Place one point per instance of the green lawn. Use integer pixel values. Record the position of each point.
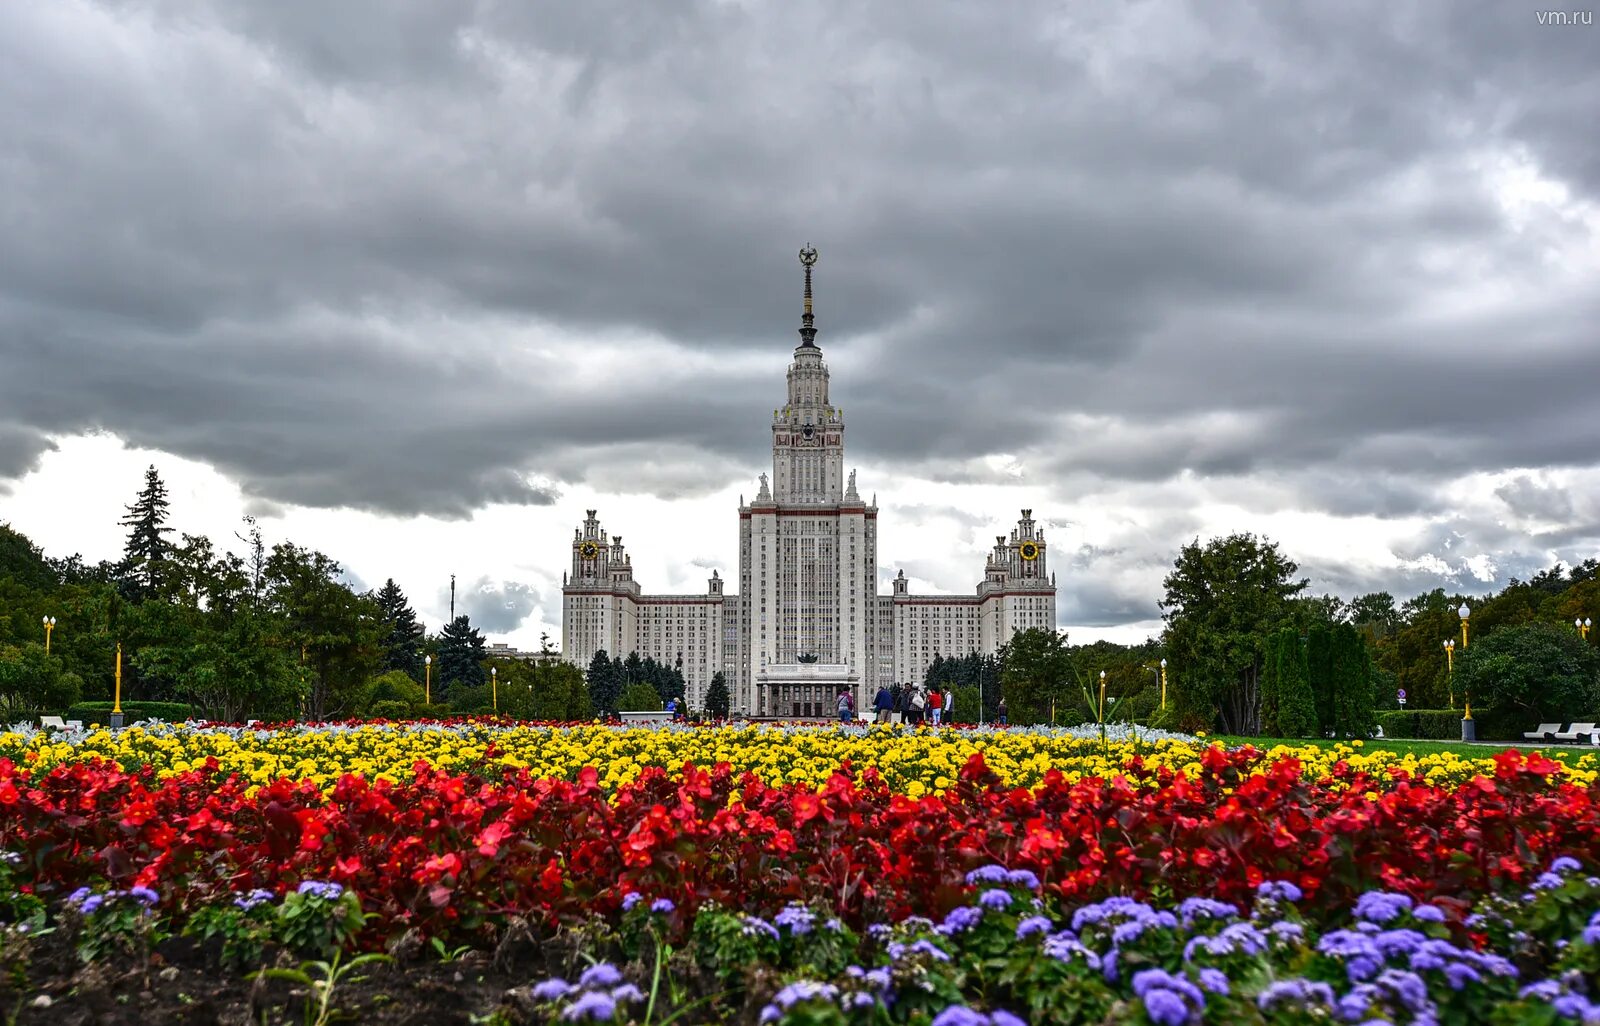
(1407, 747)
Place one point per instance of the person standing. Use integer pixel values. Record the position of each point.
(915, 706)
(1000, 710)
(949, 704)
(844, 706)
(936, 704)
(883, 704)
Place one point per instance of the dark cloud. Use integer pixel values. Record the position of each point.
(496, 607)
(420, 258)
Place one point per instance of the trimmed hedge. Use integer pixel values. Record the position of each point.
(100, 712)
(1422, 724)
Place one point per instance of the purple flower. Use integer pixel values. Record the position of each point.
(631, 899)
(254, 898)
(1547, 882)
(601, 974)
(79, 896)
(1296, 992)
(663, 906)
(985, 874)
(1032, 925)
(1193, 909)
(1460, 975)
(1591, 933)
(144, 896)
(591, 1004)
(1064, 947)
(551, 989)
(1398, 942)
(803, 990)
(1362, 967)
(1279, 890)
(996, 899)
(1159, 979)
(1428, 914)
(1566, 864)
(327, 890)
(1576, 1006)
(1214, 980)
(960, 1015)
(1164, 1008)
(797, 918)
(754, 925)
(1381, 906)
(963, 918)
(1020, 878)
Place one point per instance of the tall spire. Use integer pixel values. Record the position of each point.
(808, 331)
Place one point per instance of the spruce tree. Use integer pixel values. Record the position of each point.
(460, 656)
(401, 645)
(717, 699)
(605, 683)
(145, 553)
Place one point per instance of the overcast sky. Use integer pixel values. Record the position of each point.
(418, 283)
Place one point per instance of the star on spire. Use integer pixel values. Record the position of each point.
(808, 331)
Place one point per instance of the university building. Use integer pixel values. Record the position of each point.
(807, 617)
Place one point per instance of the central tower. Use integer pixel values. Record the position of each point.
(808, 552)
(808, 432)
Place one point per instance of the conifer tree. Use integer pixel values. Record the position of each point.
(605, 683)
(461, 655)
(402, 643)
(145, 553)
(717, 700)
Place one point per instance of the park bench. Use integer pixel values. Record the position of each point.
(645, 717)
(1546, 732)
(52, 723)
(1584, 733)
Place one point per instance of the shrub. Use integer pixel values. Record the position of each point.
(100, 712)
(1527, 674)
(1422, 724)
(639, 698)
(390, 710)
(966, 706)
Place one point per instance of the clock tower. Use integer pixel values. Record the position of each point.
(808, 432)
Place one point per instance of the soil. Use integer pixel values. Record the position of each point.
(180, 985)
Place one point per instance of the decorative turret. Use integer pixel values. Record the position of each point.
(808, 330)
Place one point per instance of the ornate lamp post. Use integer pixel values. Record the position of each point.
(494, 688)
(1163, 684)
(1450, 669)
(1469, 729)
(49, 625)
(116, 703)
(427, 680)
(1583, 626)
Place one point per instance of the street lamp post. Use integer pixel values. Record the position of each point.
(1583, 626)
(116, 703)
(1450, 669)
(1163, 684)
(494, 688)
(1469, 729)
(49, 625)
(427, 680)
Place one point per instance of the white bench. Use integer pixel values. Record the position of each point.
(1545, 732)
(658, 716)
(52, 723)
(1584, 732)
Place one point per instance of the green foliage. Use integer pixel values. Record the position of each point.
(1221, 602)
(459, 660)
(32, 682)
(605, 683)
(396, 687)
(981, 672)
(1037, 675)
(339, 632)
(239, 931)
(145, 553)
(22, 562)
(558, 693)
(402, 640)
(318, 919)
(639, 697)
(1421, 724)
(1352, 685)
(717, 697)
(321, 979)
(100, 712)
(120, 924)
(966, 706)
(1526, 674)
(1287, 706)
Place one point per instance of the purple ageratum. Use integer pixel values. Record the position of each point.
(1576, 1006)
(797, 918)
(325, 889)
(963, 918)
(755, 926)
(1279, 890)
(551, 990)
(991, 874)
(1021, 878)
(1166, 1008)
(1214, 980)
(1591, 933)
(898, 951)
(1428, 914)
(601, 974)
(1295, 992)
(631, 899)
(663, 906)
(1032, 925)
(1547, 882)
(1566, 864)
(591, 1004)
(960, 1015)
(995, 899)
(144, 896)
(254, 898)
(1381, 906)
(1193, 909)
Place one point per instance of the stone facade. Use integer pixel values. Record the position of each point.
(807, 619)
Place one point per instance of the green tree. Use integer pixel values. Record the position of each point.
(402, 643)
(1037, 675)
(1528, 674)
(459, 662)
(1353, 683)
(1375, 614)
(23, 562)
(605, 683)
(1222, 600)
(335, 633)
(717, 698)
(145, 552)
(32, 682)
(1287, 706)
(639, 697)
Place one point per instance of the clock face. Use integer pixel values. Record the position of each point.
(1029, 551)
(808, 431)
(589, 549)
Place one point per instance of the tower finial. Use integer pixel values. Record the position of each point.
(808, 331)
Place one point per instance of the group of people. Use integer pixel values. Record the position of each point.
(908, 704)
